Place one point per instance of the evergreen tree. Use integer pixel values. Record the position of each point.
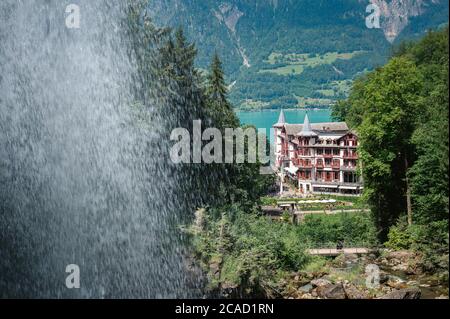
(216, 81)
(216, 90)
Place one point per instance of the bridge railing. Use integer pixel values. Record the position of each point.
(333, 245)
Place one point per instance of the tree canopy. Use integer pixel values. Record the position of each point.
(400, 112)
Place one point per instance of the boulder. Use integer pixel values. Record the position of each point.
(407, 293)
(306, 288)
(384, 277)
(229, 290)
(339, 261)
(401, 259)
(331, 291)
(320, 282)
(372, 256)
(412, 283)
(400, 255)
(396, 282)
(354, 293)
(385, 290)
(301, 279)
(400, 267)
(352, 257)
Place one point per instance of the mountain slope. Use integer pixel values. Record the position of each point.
(288, 53)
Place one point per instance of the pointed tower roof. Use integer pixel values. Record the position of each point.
(281, 120)
(306, 129)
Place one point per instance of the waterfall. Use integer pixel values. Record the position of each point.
(80, 183)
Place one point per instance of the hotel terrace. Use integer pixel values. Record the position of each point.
(321, 158)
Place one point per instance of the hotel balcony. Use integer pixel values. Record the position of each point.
(305, 154)
(327, 181)
(350, 156)
(348, 168)
(320, 165)
(328, 155)
(336, 182)
(336, 166)
(304, 165)
(300, 153)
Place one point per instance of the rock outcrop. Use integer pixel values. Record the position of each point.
(333, 291)
(396, 14)
(354, 293)
(407, 293)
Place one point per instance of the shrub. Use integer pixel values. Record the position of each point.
(352, 228)
(430, 240)
(399, 238)
(252, 249)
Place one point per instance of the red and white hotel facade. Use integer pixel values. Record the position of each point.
(321, 158)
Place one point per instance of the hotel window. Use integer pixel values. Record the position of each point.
(350, 177)
(335, 152)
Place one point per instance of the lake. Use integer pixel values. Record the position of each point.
(265, 119)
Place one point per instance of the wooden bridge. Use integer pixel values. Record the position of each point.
(336, 252)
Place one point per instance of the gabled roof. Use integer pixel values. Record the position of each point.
(319, 128)
(349, 132)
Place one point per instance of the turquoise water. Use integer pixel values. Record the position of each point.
(265, 119)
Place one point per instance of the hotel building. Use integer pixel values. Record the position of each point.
(321, 158)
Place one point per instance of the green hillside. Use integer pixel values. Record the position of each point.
(303, 53)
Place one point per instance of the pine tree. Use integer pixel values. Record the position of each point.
(216, 90)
